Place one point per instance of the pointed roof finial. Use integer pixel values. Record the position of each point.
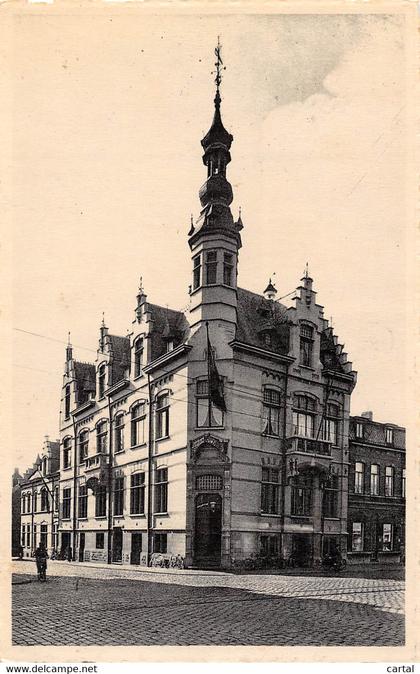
(218, 72)
(306, 270)
(103, 320)
(68, 339)
(141, 288)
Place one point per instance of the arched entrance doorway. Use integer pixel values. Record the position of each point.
(208, 530)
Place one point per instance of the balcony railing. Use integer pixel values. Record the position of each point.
(96, 461)
(308, 446)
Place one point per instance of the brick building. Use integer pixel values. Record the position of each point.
(376, 502)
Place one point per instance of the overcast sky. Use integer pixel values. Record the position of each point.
(108, 116)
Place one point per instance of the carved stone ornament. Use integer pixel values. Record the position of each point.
(209, 441)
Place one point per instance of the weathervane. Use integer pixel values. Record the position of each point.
(219, 67)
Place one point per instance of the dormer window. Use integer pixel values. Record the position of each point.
(359, 430)
(211, 267)
(170, 345)
(306, 345)
(267, 339)
(67, 399)
(196, 272)
(101, 380)
(138, 357)
(389, 436)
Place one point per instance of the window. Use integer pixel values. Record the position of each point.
(270, 491)
(211, 267)
(83, 501)
(161, 490)
(204, 409)
(359, 470)
(303, 419)
(44, 534)
(331, 424)
(100, 540)
(306, 345)
(269, 545)
(389, 481)
(138, 357)
(67, 453)
(66, 503)
(357, 537)
(170, 345)
(23, 536)
(119, 433)
(67, 402)
(196, 272)
(101, 380)
(34, 537)
(118, 496)
(83, 445)
(359, 430)
(267, 339)
(35, 501)
(387, 537)
(228, 269)
(389, 436)
(160, 543)
(55, 537)
(209, 483)
(56, 498)
(101, 437)
(403, 487)
(271, 412)
(374, 479)
(137, 494)
(330, 497)
(138, 423)
(162, 416)
(100, 501)
(28, 536)
(44, 500)
(302, 497)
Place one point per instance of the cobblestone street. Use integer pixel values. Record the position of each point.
(89, 605)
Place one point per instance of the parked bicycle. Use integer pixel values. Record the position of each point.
(334, 563)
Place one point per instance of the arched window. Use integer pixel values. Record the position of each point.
(66, 452)
(83, 445)
(67, 399)
(44, 500)
(138, 424)
(138, 356)
(119, 432)
(101, 437)
(271, 412)
(101, 380)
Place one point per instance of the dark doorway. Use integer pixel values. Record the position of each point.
(208, 530)
(302, 550)
(135, 548)
(82, 537)
(65, 544)
(117, 539)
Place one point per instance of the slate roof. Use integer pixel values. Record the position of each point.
(85, 380)
(121, 357)
(258, 316)
(168, 325)
(375, 432)
(328, 353)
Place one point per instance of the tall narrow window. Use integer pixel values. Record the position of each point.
(29, 503)
(211, 267)
(83, 501)
(67, 399)
(56, 498)
(228, 269)
(43, 539)
(101, 380)
(357, 537)
(301, 497)
(28, 536)
(403, 486)
(387, 542)
(389, 436)
(203, 407)
(138, 424)
(100, 501)
(35, 501)
(67, 453)
(137, 488)
(23, 539)
(101, 437)
(118, 496)
(119, 432)
(162, 416)
(331, 423)
(66, 503)
(389, 481)
(303, 416)
(83, 445)
(160, 543)
(44, 500)
(330, 497)
(359, 470)
(271, 412)
(270, 491)
(374, 479)
(196, 272)
(359, 430)
(306, 345)
(161, 490)
(138, 357)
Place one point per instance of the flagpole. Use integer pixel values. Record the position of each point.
(208, 373)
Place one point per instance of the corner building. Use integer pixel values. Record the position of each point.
(151, 470)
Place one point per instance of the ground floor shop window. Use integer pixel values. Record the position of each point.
(357, 537)
(269, 545)
(387, 537)
(160, 543)
(100, 541)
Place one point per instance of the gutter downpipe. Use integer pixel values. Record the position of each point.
(73, 556)
(284, 464)
(150, 473)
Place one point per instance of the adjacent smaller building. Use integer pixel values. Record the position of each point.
(39, 503)
(376, 501)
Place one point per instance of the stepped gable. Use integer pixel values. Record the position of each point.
(85, 379)
(257, 317)
(168, 325)
(120, 363)
(330, 352)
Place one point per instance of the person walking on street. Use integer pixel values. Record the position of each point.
(41, 556)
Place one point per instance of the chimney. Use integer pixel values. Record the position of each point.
(367, 415)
